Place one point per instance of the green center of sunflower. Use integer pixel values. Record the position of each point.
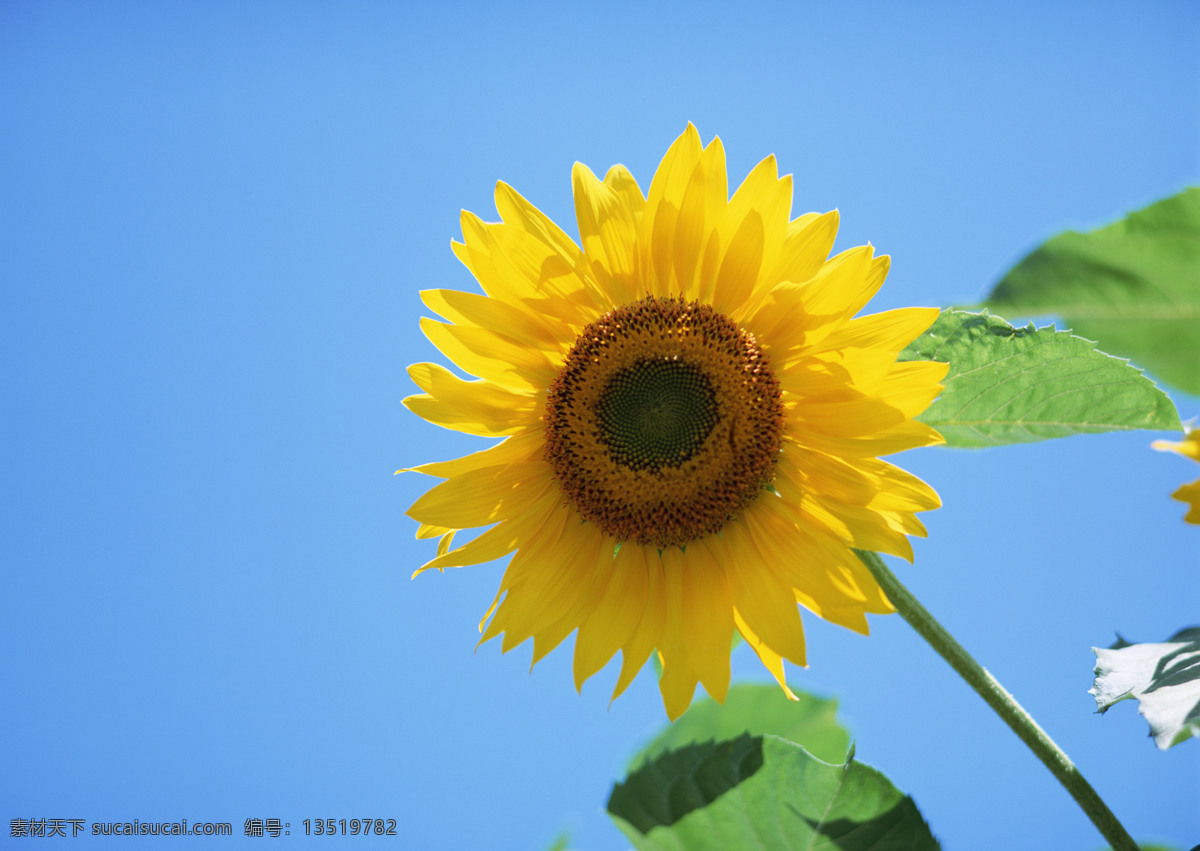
(656, 413)
(664, 422)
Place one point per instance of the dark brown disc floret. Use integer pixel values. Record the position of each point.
(664, 422)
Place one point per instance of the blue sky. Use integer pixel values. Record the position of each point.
(216, 218)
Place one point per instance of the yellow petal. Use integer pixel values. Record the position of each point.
(907, 435)
(852, 418)
(678, 681)
(805, 248)
(771, 660)
(546, 601)
(784, 321)
(483, 497)
(476, 407)
(900, 490)
(517, 267)
(865, 482)
(663, 200)
(677, 686)
(425, 530)
(522, 446)
(837, 375)
(889, 331)
(864, 528)
(815, 565)
(517, 212)
(741, 265)
(707, 618)
(488, 355)
(490, 369)
(646, 636)
(529, 568)
(703, 200)
(608, 231)
(517, 324)
(1189, 447)
(764, 603)
(913, 385)
(562, 615)
(840, 289)
(619, 179)
(493, 543)
(767, 198)
(1191, 495)
(611, 622)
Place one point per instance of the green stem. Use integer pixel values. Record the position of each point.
(1002, 703)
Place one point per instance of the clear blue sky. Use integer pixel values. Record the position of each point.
(214, 221)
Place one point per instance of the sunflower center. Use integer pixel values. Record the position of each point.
(656, 413)
(664, 422)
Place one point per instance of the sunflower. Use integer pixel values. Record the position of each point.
(1189, 447)
(692, 419)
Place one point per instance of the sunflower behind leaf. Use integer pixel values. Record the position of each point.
(693, 420)
(1189, 447)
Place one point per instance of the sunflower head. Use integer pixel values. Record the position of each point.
(691, 417)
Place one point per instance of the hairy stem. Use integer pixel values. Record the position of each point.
(1002, 703)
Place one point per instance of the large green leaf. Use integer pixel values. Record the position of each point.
(760, 710)
(763, 793)
(1163, 678)
(1019, 385)
(1133, 285)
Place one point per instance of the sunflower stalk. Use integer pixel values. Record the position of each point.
(1001, 702)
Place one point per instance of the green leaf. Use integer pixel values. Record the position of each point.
(757, 709)
(1163, 678)
(763, 793)
(1019, 385)
(1133, 285)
